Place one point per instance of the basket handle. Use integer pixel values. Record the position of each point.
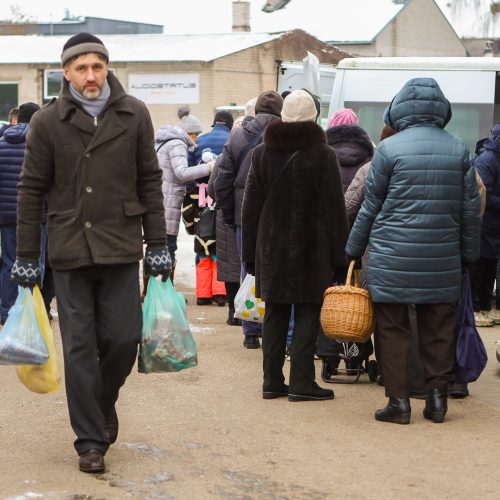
(349, 274)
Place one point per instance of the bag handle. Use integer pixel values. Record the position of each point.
(350, 273)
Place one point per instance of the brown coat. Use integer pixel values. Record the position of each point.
(103, 184)
(294, 221)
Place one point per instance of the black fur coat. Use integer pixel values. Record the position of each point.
(294, 223)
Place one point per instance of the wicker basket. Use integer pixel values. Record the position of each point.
(347, 311)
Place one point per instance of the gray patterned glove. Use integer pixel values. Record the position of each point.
(26, 272)
(157, 261)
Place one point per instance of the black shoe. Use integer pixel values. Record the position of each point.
(92, 461)
(317, 394)
(203, 302)
(380, 380)
(397, 411)
(251, 342)
(220, 300)
(458, 390)
(231, 320)
(111, 427)
(436, 405)
(282, 393)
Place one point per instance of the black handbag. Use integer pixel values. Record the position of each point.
(206, 223)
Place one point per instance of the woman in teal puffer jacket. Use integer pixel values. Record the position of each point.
(421, 220)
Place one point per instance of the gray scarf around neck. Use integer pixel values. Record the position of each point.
(93, 107)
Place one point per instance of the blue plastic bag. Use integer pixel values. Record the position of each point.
(21, 340)
(471, 354)
(167, 344)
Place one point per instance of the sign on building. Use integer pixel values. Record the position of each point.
(165, 88)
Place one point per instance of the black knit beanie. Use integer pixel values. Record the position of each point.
(26, 111)
(224, 117)
(83, 43)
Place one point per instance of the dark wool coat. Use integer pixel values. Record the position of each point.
(228, 259)
(488, 167)
(420, 216)
(353, 148)
(294, 221)
(12, 146)
(103, 183)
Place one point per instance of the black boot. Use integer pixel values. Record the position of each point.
(397, 411)
(458, 390)
(436, 405)
(231, 320)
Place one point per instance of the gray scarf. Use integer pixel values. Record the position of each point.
(93, 107)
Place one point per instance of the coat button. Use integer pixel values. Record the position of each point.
(88, 189)
(87, 155)
(88, 224)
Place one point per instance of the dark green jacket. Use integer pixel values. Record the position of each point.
(420, 217)
(103, 184)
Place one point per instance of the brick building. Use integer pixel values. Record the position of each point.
(403, 28)
(166, 71)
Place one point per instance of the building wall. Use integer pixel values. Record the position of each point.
(420, 29)
(233, 79)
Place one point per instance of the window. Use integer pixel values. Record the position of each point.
(8, 99)
(52, 81)
(470, 122)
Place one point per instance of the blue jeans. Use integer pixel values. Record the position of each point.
(8, 289)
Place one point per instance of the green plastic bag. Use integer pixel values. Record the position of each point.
(167, 344)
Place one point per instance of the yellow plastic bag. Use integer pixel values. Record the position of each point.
(45, 378)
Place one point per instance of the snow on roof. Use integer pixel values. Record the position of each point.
(134, 48)
(361, 23)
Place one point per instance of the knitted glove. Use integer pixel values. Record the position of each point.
(26, 272)
(157, 261)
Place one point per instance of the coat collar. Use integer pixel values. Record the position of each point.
(67, 104)
(290, 136)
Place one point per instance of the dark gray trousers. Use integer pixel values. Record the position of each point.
(100, 318)
(436, 339)
(274, 333)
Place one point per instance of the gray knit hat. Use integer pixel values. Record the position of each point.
(83, 43)
(189, 123)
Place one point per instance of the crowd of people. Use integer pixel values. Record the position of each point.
(290, 204)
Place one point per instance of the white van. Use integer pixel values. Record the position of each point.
(290, 76)
(471, 84)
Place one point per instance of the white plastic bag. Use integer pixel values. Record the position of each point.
(246, 306)
(21, 340)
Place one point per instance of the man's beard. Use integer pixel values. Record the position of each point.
(91, 94)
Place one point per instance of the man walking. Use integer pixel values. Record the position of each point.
(12, 148)
(91, 153)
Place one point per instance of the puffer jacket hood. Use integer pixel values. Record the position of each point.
(492, 143)
(169, 132)
(17, 133)
(420, 103)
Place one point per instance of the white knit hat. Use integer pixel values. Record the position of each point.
(250, 107)
(299, 106)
